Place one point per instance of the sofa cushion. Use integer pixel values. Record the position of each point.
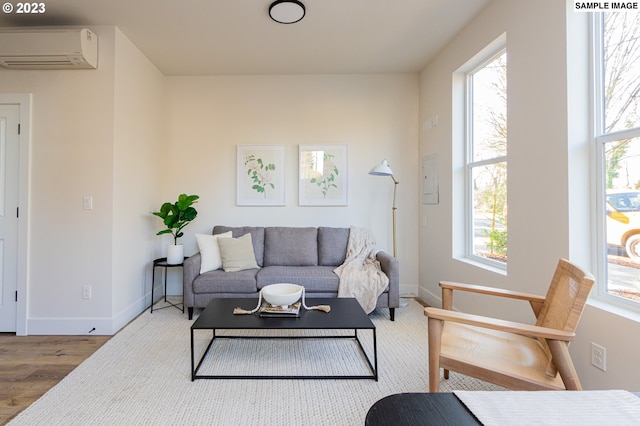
(285, 246)
(209, 251)
(314, 279)
(219, 281)
(332, 246)
(257, 237)
(237, 253)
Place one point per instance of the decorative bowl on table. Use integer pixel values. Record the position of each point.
(282, 294)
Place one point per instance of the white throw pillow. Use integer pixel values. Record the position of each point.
(237, 253)
(210, 259)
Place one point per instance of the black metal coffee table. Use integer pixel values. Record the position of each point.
(346, 314)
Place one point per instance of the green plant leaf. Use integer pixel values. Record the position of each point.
(184, 201)
(164, 210)
(189, 214)
(177, 215)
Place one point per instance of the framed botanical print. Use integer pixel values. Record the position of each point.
(260, 175)
(322, 177)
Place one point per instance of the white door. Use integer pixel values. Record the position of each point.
(9, 183)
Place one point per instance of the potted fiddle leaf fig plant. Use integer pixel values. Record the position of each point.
(175, 217)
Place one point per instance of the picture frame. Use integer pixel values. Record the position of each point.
(322, 175)
(260, 175)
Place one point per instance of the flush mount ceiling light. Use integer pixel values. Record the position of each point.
(286, 11)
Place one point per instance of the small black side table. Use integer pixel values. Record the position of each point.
(162, 263)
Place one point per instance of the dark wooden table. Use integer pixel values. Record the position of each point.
(420, 409)
(346, 314)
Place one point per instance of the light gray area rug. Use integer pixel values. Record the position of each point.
(142, 376)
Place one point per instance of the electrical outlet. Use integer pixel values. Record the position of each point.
(87, 202)
(86, 292)
(599, 356)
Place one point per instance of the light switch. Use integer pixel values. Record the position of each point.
(87, 202)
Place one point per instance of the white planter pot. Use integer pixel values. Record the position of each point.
(175, 254)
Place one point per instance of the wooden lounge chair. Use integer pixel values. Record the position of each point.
(510, 354)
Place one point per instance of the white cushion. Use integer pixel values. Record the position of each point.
(237, 253)
(210, 259)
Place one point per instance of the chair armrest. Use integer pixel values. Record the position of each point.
(534, 300)
(190, 271)
(391, 267)
(500, 325)
(492, 291)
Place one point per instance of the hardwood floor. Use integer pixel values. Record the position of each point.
(31, 365)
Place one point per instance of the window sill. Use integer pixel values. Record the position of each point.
(486, 265)
(615, 308)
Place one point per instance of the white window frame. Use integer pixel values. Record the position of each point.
(599, 140)
(463, 244)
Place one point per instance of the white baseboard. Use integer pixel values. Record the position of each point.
(429, 298)
(130, 312)
(407, 290)
(103, 326)
(69, 326)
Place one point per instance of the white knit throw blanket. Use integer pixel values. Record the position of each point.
(360, 274)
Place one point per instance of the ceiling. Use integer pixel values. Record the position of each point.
(214, 37)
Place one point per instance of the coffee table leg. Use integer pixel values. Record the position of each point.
(194, 367)
(193, 372)
(375, 354)
(373, 367)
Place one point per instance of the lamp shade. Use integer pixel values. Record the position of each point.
(382, 169)
(286, 11)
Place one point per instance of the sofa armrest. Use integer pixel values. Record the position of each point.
(391, 267)
(190, 271)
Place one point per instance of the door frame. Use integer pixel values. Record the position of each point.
(24, 101)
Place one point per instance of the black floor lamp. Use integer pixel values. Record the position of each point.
(383, 169)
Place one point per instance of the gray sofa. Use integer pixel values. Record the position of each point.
(304, 256)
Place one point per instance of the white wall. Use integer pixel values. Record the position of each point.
(82, 123)
(542, 193)
(71, 156)
(375, 115)
(138, 158)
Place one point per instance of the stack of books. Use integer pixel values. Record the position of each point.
(269, 311)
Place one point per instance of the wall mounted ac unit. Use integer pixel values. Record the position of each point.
(40, 49)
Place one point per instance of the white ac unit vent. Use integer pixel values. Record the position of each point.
(51, 49)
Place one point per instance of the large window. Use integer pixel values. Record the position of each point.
(617, 126)
(486, 160)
